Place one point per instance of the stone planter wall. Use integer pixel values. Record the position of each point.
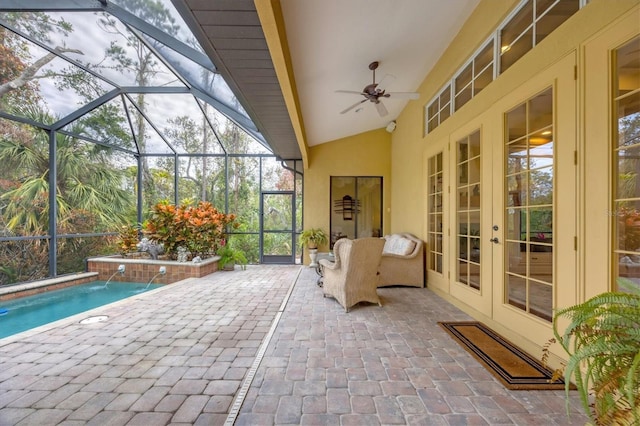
(142, 270)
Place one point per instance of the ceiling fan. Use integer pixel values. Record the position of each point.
(374, 91)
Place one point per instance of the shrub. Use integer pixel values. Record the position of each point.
(200, 228)
(603, 343)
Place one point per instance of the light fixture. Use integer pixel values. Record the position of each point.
(391, 126)
(347, 206)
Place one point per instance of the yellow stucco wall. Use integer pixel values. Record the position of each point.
(408, 139)
(366, 154)
(584, 271)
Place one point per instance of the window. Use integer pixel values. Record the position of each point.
(468, 199)
(439, 109)
(626, 165)
(531, 23)
(535, 20)
(356, 207)
(435, 232)
(528, 186)
(474, 77)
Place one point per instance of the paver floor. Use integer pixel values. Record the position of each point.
(188, 354)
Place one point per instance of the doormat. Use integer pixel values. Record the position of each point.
(510, 365)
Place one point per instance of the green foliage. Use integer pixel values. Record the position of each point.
(201, 229)
(88, 199)
(603, 343)
(313, 237)
(128, 239)
(229, 255)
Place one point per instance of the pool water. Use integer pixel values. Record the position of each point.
(32, 311)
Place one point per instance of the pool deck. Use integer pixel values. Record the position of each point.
(260, 347)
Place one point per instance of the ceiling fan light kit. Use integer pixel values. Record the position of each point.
(374, 91)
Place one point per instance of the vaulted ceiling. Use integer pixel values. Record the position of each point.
(329, 44)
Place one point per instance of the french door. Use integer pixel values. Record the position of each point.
(534, 179)
(509, 207)
(471, 259)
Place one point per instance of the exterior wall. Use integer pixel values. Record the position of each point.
(579, 38)
(408, 139)
(366, 154)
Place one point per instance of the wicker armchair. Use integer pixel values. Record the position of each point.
(353, 277)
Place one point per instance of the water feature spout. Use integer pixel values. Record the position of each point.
(162, 271)
(120, 271)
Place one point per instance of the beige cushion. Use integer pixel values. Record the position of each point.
(395, 244)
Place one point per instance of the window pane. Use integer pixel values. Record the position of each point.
(628, 173)
(626, 153)
(541, 300)
(483, 59)
(482, 81)
(463, 97)
(516, 122)
(540, 111)
(628, 67)
(628, 115)
(516, 50)
(555, 17)
(463, 79)
(520, 23)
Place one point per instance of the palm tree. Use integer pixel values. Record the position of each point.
(89, 187)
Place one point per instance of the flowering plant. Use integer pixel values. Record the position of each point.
(200, 228)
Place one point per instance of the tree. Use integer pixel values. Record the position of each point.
(95, 191)
(144, 65)
(18, 77)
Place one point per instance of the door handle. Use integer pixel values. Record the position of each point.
(495, 240)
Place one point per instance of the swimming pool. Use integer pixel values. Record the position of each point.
(28, 312)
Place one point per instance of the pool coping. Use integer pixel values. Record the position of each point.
(33, 287)
(90, 313)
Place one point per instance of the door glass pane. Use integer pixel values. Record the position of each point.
(356, 207)
(626, 166)
(468, 217)
(435, 232)
(277, 212)
(277, 226)
(369, 204)
(529, 211)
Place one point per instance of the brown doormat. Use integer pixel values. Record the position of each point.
(509, 364)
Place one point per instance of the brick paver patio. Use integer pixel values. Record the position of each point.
(193, 353)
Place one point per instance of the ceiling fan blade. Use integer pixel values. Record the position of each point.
(403, 95)
(349, 91)
(382, 110)
(352, 106)
(385, 82)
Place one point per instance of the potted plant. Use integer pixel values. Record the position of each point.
(603, 343)
(229, 257)
(312, 238)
